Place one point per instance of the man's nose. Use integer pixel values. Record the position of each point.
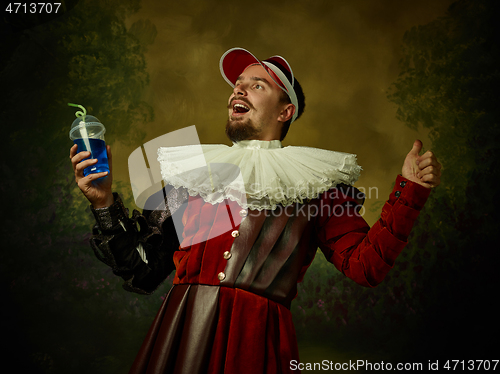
(239, 89)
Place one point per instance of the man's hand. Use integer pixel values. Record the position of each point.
(424, 170)
(97, 191)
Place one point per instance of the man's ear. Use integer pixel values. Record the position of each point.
(287, 113)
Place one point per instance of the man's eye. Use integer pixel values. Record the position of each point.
(258, 86)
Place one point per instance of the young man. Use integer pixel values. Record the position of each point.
(244, 247)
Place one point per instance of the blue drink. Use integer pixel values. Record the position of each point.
(97, 150)
(87, 132)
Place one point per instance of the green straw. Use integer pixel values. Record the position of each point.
(79, 114)
(83, 130)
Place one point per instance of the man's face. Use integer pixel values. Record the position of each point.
(254, 106)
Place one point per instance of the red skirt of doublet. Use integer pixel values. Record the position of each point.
(214, 330)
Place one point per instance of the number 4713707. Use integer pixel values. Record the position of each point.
(470, 364)
(33, 7)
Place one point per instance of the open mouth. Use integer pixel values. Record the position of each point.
(239, 108)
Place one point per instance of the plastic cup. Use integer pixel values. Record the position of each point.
(88, 133)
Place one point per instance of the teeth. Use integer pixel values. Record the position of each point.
(241, 106)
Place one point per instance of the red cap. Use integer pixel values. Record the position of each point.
(236, 60)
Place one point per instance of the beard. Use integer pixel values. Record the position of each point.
(239, 129)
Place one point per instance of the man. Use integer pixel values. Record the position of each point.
(244, 247)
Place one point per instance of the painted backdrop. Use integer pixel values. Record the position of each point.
(376, 74)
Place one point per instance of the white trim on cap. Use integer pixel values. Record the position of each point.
(287, 64)
(221, 62)
(289, 88)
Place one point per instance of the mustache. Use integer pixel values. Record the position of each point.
(240, 98)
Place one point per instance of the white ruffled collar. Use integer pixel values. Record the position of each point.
(258, 144)
(257, 174)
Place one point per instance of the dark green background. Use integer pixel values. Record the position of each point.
(147, 71)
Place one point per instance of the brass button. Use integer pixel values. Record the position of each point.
(221, 276)
(235, 233)
(227, 255)
(397, 193)
(243, 213)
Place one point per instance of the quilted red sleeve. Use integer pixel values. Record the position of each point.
(362, 253)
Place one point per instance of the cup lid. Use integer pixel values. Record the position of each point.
(88, 122)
